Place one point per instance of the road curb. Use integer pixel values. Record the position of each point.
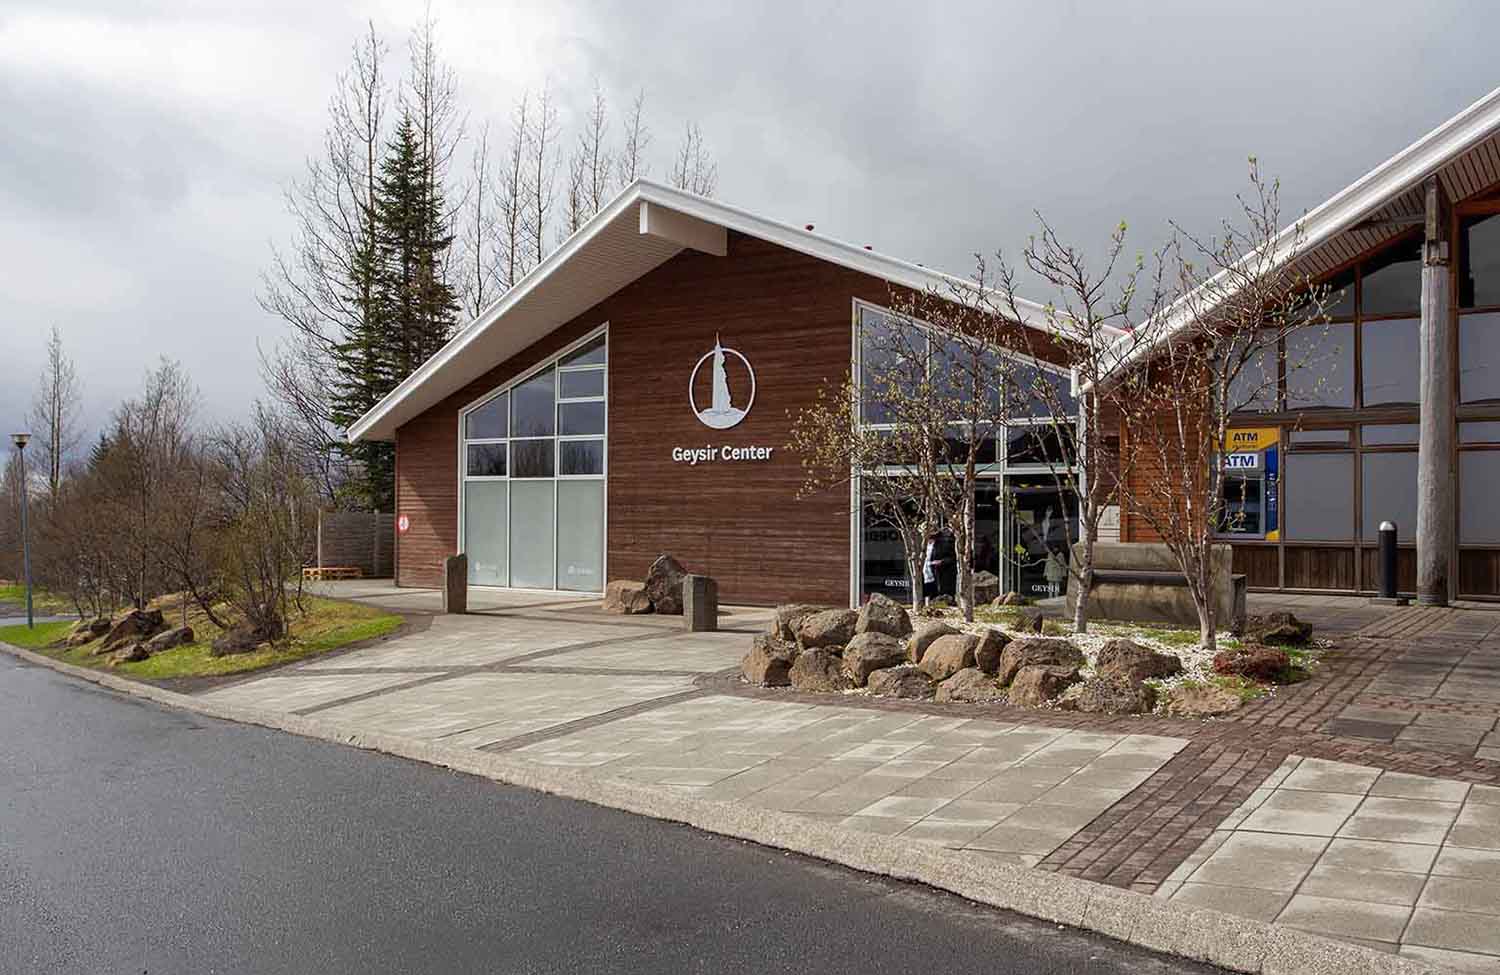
(1231, 942)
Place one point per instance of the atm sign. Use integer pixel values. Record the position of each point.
(1242, 462)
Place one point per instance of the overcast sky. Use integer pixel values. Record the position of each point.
(144, 145)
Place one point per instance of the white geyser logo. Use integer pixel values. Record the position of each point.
(721, 413)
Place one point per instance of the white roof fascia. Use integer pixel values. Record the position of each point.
(1357, 201)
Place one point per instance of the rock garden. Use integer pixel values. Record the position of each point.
(879, 650)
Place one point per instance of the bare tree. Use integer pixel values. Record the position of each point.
(431, 98)
(479, 239)
(693, 169)
(1219, 347)
(630, 160)
(542, 162)
(54, 412)
(513, 257)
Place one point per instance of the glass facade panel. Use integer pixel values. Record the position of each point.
(1338, 300)
(486, 460)
(580, 457)
(893, 359)
(1320, 367)
(580, 418)
(1307, 437)
(484, 532)
(490, 421)
(1390, 353)
(584, 382)
(580, 535)
(1040, 444)
(882, 558)
(1478, 512)
(592, 354)
(1484, 431)
(532, 458)
(1392, 282)
(1389, 493)
(534, 409)
(1255, 387)
(1479, 358)
(1036, 388)
(531, 528)
(1387, 434)
(1479, 261)
(1318, 495)
(1041, 523)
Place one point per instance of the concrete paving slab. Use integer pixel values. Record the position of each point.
(1346, 918)
(1309, 813)
(1454, 931)
(1261, 861)
(1261, 905)
(1416, 858)
(1354, 883)
(1467, 894)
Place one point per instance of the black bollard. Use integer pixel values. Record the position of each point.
(1388, 595)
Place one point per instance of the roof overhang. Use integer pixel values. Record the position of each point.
(1463, 153)
(641, 229)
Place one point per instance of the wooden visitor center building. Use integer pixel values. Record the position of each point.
(634, 393)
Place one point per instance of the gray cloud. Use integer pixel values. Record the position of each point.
(144, 148)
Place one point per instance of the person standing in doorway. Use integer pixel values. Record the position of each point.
(939, 565)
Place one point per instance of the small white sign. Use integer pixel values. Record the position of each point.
(1242, 462)
(719, 454)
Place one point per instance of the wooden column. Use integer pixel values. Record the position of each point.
(1435, 483)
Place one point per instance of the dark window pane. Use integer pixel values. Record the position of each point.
(1389, 484)
(532, 458)
(1338, 300)
(1318, 495)
(533, 413)
(1478, 514)
(1479, 261)
(1040, 445)
(1386, 434)
(590, 355)
(1038, 391)
(956, 447)
(893, 363)
(1254, 387)
(1042, 526)
(1484, 431)
(580, 456)
(882, 555)
(1479, 358)
(577, 418)
(588, 382)
(489, 421)
(486, 460)
(1390, 353)
(1304, 438)
(1320, 366)
(1392, 282)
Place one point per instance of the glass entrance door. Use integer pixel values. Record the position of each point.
(1037, 535)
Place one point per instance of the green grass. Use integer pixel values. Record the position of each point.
(327, 625)
(36, 638)
(1009, 617)
(42, 601)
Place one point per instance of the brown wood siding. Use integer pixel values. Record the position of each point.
(742, 523)
(1260, 564)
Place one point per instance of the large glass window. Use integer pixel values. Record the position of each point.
(1320, 367)
(1478, 511)
(1319, 497)
(1388, 483)
(533, 469)
(1479, 261)
(1391, 283)
(1390, 355)
(1479, 358)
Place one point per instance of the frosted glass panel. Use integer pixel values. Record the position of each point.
(580, 535)
(531, 534)
(1319, 497)
(1390, 494)
(1478, 516)
(484, 532)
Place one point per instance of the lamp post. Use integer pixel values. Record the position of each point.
(20, 440)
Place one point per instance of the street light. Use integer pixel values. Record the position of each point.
(21, 440)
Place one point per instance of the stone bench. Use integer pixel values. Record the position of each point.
(1141, 583)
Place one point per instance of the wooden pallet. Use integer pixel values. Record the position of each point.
(326, 572)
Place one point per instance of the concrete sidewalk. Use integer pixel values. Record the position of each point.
(1402, 863)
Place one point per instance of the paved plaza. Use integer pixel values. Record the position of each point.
(1362, 805)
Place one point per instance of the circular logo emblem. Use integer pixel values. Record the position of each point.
(403, 523)
(728, 400)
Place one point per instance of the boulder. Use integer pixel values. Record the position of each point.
(1110, 695)
(925, 634)
(1265, 664)
(882, 614)
(93, 628)
(167, 639)
(244, 637)
(904, 681)
(664, 585)
(626, 597)
(991, 645)
(1031, 621)
(1007, 599)
(970, 686)
(769, 662)
(137, 624)
(829, 628)
(1036, 685)
(1036, 651)
(986, 587)
(869, 652)
(129, 653)
(789, 617)
(1278, 629)
(1129, 661)
(1202, 701)
(948, 655)
(818, 670)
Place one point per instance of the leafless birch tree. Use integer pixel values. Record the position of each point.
(693, 169)
(54, 412)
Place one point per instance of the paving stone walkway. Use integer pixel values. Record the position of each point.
(1363, 804)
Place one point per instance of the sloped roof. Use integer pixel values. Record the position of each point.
(610, 251)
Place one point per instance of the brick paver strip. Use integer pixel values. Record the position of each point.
(592, 721)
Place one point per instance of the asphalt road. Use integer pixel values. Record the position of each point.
(137, 839)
